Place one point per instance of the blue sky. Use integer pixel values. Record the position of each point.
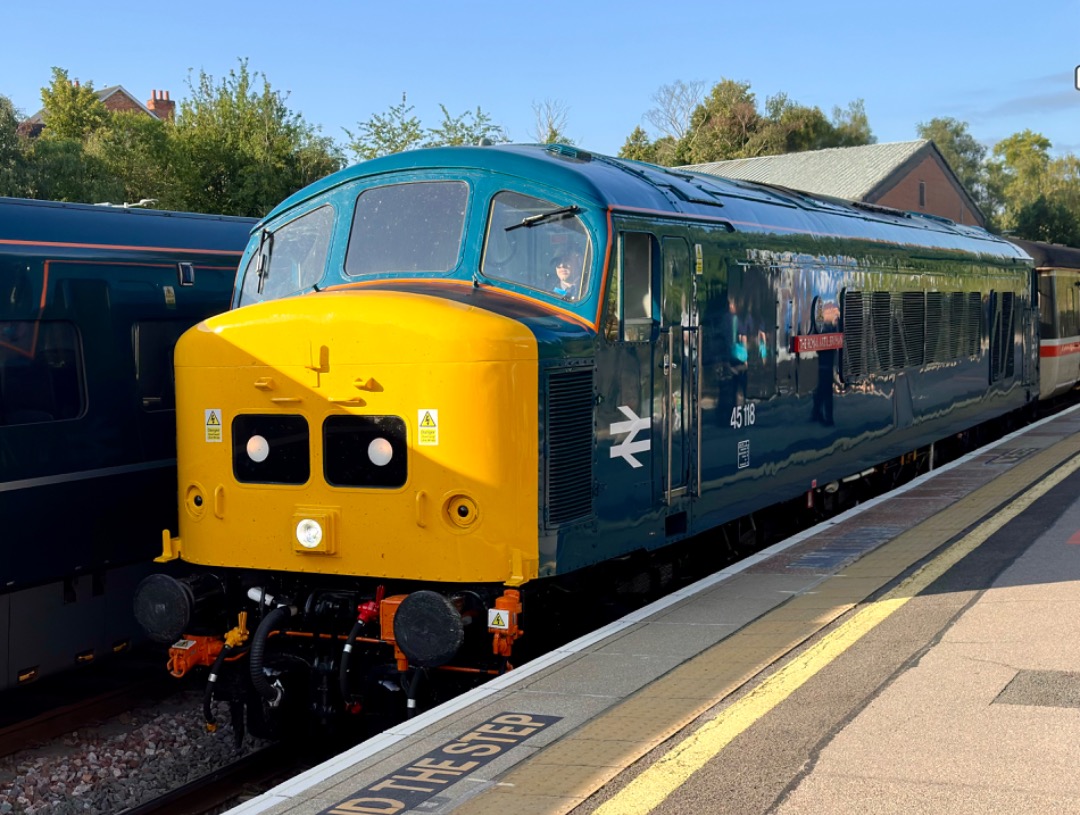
(602, 62)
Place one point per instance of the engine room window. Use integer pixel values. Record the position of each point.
(40, 372)
(528, 239)
(401, 228)
(291, 259)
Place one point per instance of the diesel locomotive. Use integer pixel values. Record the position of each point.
(92, 300)
(407, 426)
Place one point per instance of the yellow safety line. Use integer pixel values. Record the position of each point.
(655, 784)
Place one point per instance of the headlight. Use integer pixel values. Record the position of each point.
(309, 533)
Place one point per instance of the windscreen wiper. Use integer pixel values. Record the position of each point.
(533, 220)
(262, 267)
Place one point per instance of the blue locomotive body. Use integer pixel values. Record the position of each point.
(722, 347)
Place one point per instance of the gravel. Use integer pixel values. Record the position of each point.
(121, 762)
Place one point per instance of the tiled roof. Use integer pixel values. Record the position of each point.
(103, 94)
(843, 172)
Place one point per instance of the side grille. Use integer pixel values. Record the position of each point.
(856, 335)
(568, 477)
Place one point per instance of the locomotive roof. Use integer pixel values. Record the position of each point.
(620, 184)
(1051, 254)
(30, 222)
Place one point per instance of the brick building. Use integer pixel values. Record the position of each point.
(117, 99)
(911, 175)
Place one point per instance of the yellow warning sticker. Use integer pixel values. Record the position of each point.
(213, 425)
(498, 619)
(427, 421)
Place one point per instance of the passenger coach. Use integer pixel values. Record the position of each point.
(92, 300)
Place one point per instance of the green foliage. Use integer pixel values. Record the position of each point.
(395, 131)
(1047, 220)
(12, 152)
(239, 150)
(72, 111)
(468, 128)
(728, 124)
(1039, 195)
(638, 147)
(399, 130)
(61, 170)
(137, 151)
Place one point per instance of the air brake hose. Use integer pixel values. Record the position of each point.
(343, 673)
(272, 621)
(208, 691)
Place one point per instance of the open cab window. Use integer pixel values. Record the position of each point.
(528, 239)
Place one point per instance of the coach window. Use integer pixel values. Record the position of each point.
(404, 228)
(153, 344)
(40, 372)
(291, 259)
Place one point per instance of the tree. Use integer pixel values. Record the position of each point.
(61, 170)
(675, 105)
(1018, 174)
(1047, 220)
(638, 147)
(71, 110)
(550, 122)
(468, 128)
(788, 127)
(852, 126)
(393, 132)
(239, 150)
(722, 125)
(12, 151)
(137, 151)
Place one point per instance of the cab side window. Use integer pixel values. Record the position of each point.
(631, 308)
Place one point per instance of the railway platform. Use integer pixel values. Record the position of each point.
(920, 653)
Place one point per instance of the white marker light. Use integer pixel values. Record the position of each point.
(309, 533)
(258, 449)
(380, 452)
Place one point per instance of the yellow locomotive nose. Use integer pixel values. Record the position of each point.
(374, 433)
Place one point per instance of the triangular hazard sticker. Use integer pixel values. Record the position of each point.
(497, 621)
(212, 419)
(427, 421)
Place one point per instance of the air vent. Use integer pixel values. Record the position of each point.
(856, 335)
(569, 459)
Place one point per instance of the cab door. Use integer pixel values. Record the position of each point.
(677, 352)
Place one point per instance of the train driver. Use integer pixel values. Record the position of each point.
(568, 271)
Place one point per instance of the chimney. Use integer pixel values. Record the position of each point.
(161, 106)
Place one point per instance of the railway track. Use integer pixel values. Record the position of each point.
(227, 786)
